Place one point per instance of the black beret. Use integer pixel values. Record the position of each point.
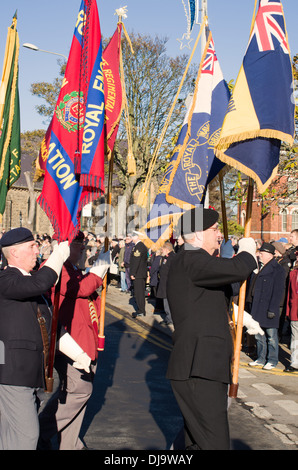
(268, 248)
(16, 236)
(197, 219)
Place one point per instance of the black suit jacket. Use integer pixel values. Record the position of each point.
(138, 261)
(202, 343)
(19, 328)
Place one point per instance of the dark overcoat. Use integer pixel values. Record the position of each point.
(19, 328)
(202, 342)
(163, 275)
(138, 261)
(267, 293)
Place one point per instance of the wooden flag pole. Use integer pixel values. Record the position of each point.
(101, 335)
(223, 207)
(49, 379)
(238, 343)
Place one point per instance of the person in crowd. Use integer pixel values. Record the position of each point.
(179, 244)
(168, 255)
(283, 258)
(154, 265)
(234, 241)
(22, 304)
(129, 244)
(79, 312)
(99, 247)
(293, 240)
(292, 315)
(200, 362)
(265, 295)
(121, 266)
(115, 249)
(46, 248)
(138, 272)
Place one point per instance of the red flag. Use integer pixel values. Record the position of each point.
(73, 147)
(113, 88)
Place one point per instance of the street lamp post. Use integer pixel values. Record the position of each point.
(35, 48)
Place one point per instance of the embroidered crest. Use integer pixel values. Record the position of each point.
(70, 111)
(137, 253)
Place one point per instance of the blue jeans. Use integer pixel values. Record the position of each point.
(123, 281)
(267, 346)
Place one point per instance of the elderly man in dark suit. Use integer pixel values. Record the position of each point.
(266, 291)
(22, 370)
(138, 272)
(200, 363)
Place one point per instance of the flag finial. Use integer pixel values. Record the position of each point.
(121, 12)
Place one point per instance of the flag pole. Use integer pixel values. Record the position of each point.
(223, 207)
(238, 342)
(101, 335)
(49, 379)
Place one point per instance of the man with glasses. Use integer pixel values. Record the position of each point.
(200, 363)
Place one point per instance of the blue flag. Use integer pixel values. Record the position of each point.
(261, 109)
(193, 165)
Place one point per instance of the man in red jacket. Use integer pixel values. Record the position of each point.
(79, 314)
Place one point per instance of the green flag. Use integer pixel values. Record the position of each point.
(10, 140)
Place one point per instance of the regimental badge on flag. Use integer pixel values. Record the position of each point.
(113, 89)
(10, 138)
(73, 147)
(193, 165)
(261, 109)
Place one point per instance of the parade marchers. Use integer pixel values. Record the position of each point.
(37, 262)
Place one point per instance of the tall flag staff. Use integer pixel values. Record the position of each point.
(10, 136)
(114, 82)
(193, 164)
(143, 196)
(259, 117)
(72, 152)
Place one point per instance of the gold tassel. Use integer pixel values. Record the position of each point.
(131, 165)
(143, 197)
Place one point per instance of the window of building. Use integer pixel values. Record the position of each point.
(295, 219)
(284, 219)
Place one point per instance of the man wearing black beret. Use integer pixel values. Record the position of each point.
(22, 367)
(200, 363)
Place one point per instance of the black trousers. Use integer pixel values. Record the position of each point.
(139, 285)
(204, 406)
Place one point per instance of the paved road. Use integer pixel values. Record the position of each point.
(133, 408)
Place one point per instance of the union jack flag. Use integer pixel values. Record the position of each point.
(208, 64)
(266, 26)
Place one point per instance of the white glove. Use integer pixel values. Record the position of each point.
(252, 326)
(102, 264)
(58, 257)
(68, 346)
(248, 245)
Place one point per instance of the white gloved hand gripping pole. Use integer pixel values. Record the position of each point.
(57, 258)
(102, 264)
(252, 326)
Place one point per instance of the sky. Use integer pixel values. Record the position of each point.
(50, 26)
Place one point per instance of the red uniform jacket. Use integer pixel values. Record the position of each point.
(74, 311)
(292, 298)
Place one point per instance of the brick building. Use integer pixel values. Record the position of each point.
(272, 218)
